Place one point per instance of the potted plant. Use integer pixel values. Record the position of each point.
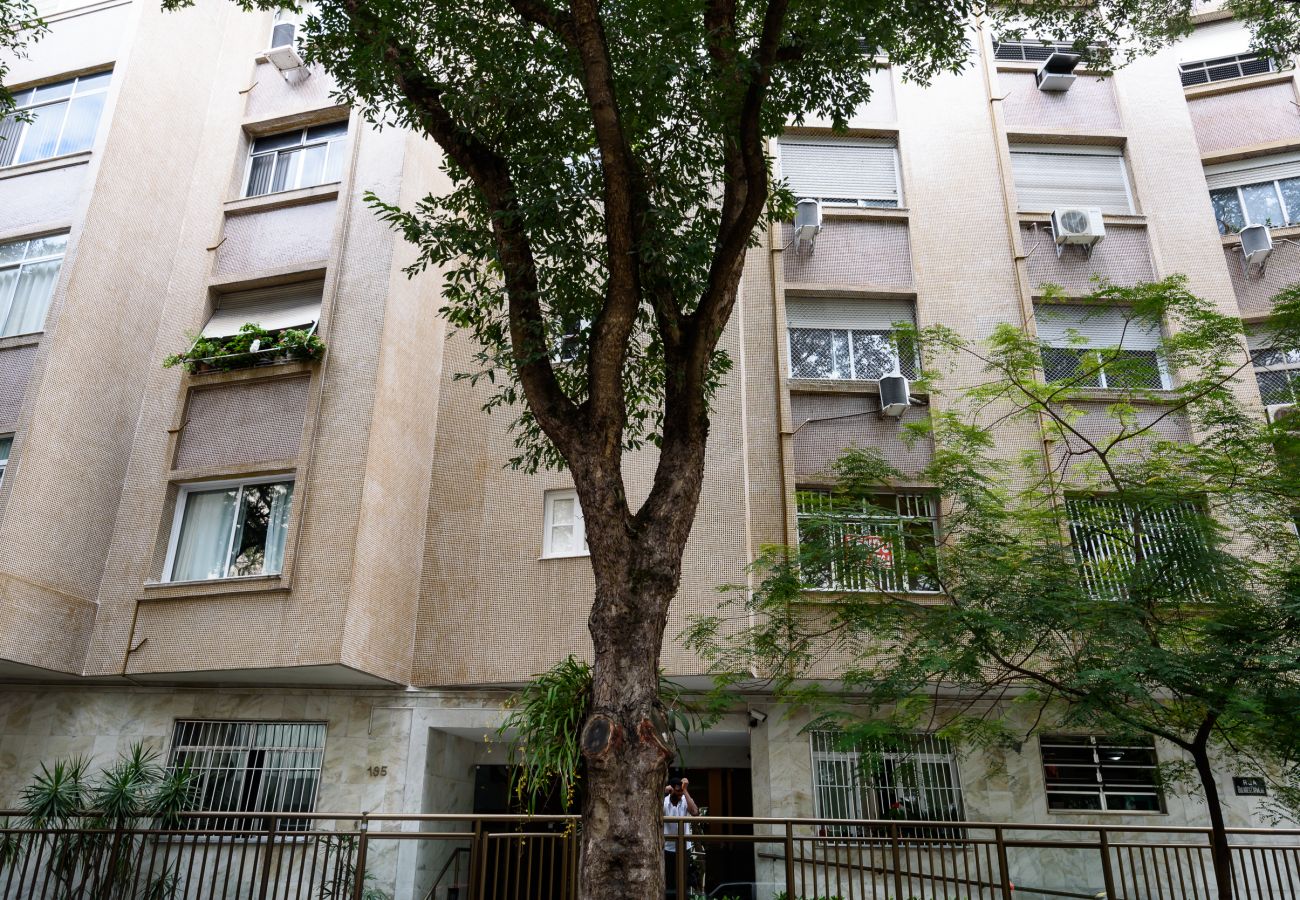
(252, 345)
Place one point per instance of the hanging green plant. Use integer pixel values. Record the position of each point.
(252, 345)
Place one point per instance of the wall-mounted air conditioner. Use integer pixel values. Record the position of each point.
(1077, 226)
(1256, 247)
(1057, 71)
(1280, 411)
(807, 222)
(895, 394)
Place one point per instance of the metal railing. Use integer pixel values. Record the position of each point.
(405, 857)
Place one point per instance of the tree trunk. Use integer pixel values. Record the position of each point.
(1220, 854)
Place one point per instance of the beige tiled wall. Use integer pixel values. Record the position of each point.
(1243, 118)
(1087, 107)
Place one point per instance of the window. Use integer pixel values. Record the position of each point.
(1277, 372)
(6, 444)
(251, 767)
(1049, 176)
(848, 339)
(1100, 774)
(1108, 534)
(564, 529)
(1264, 190)
(1032, 50)
(64, 118)
(275, 308)
(232, 531)
(884, 543)
(284, 28)
(1224, 68)
(297, 159)
(1100, 347)
(28, 272)
(842, 171)
(865, 782)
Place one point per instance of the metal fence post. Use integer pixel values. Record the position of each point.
(789, 860)
(267, 850)
(1004, 868)
(1108, 876)
(896, 853)
(679, 873)
(359, 882)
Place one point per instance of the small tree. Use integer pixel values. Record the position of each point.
(85, 826)
(1141, 577)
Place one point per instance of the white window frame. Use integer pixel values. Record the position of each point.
(1260, 342)
(579, 525)
(332, 145)
(296, 18)
(1246, 217)
(25, 127)
(6, 451)
(196, 487)
(1099, 743)
(6, 302)
(194, 736)
(891, 334)
(1091, 328)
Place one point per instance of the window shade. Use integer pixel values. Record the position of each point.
(1048, 178)
(1252, 171)
(1102, 326)
(867, 315)
(843, 170)
(284, 306)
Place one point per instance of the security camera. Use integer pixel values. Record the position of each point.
(756, 717)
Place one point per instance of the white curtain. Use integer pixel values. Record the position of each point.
(277, 527)
(203, 548)
(31, 296)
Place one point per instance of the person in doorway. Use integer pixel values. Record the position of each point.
(677, 802)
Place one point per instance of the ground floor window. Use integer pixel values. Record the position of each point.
(916, 781)
(1098, 773)
(251, 767)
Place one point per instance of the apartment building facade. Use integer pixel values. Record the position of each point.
(315, 580)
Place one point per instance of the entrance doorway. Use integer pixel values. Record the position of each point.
(728, 866)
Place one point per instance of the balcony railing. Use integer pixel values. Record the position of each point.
(480, 857)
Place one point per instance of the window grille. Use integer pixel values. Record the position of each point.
(251, 768)
(1030, 50)
(1224, 68)
(1107, 534)
(1117, 369)
(63, 118)
(885, 543)
(29, 271)
(1100, 774)
(917, 783)
(1277, 372)
(297, 159)
(1100, 347)
(6, 443)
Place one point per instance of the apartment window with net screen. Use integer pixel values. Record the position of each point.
(1225, 67)
(248, 769)
(849, 339)
(1089, 773)
(1100, 347)
(232, 530)
(842, 171)
(1277, 372)
(29, 271)
(6, 444)
(62, 118)
(1259, 190)
(297, 159)
(1109, 536)
(917, 783)
(882, 543)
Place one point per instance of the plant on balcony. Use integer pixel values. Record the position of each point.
(252, 345)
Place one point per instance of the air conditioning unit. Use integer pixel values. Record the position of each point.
(1077, 226)
(1057, 71)
(1280, 411)
(807, 222)
(1256, 246)
(285, 58)
(895, 394)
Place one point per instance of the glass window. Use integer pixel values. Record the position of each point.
(6, 444)
(1277, 372)
(1271, 203)
(915, 781)
(847, 354)
(1088, 773)
(1224, 68)
(1227, 210)
(61, 118)
(297, 159)
(231, 532)
(565, 529)
(1262, 204)
(883, 543)
(28, 272)
(249, 768)
(1100, 347)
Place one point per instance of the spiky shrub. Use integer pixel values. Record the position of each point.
(86, 826)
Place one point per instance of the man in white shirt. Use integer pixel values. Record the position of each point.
(677, 802)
